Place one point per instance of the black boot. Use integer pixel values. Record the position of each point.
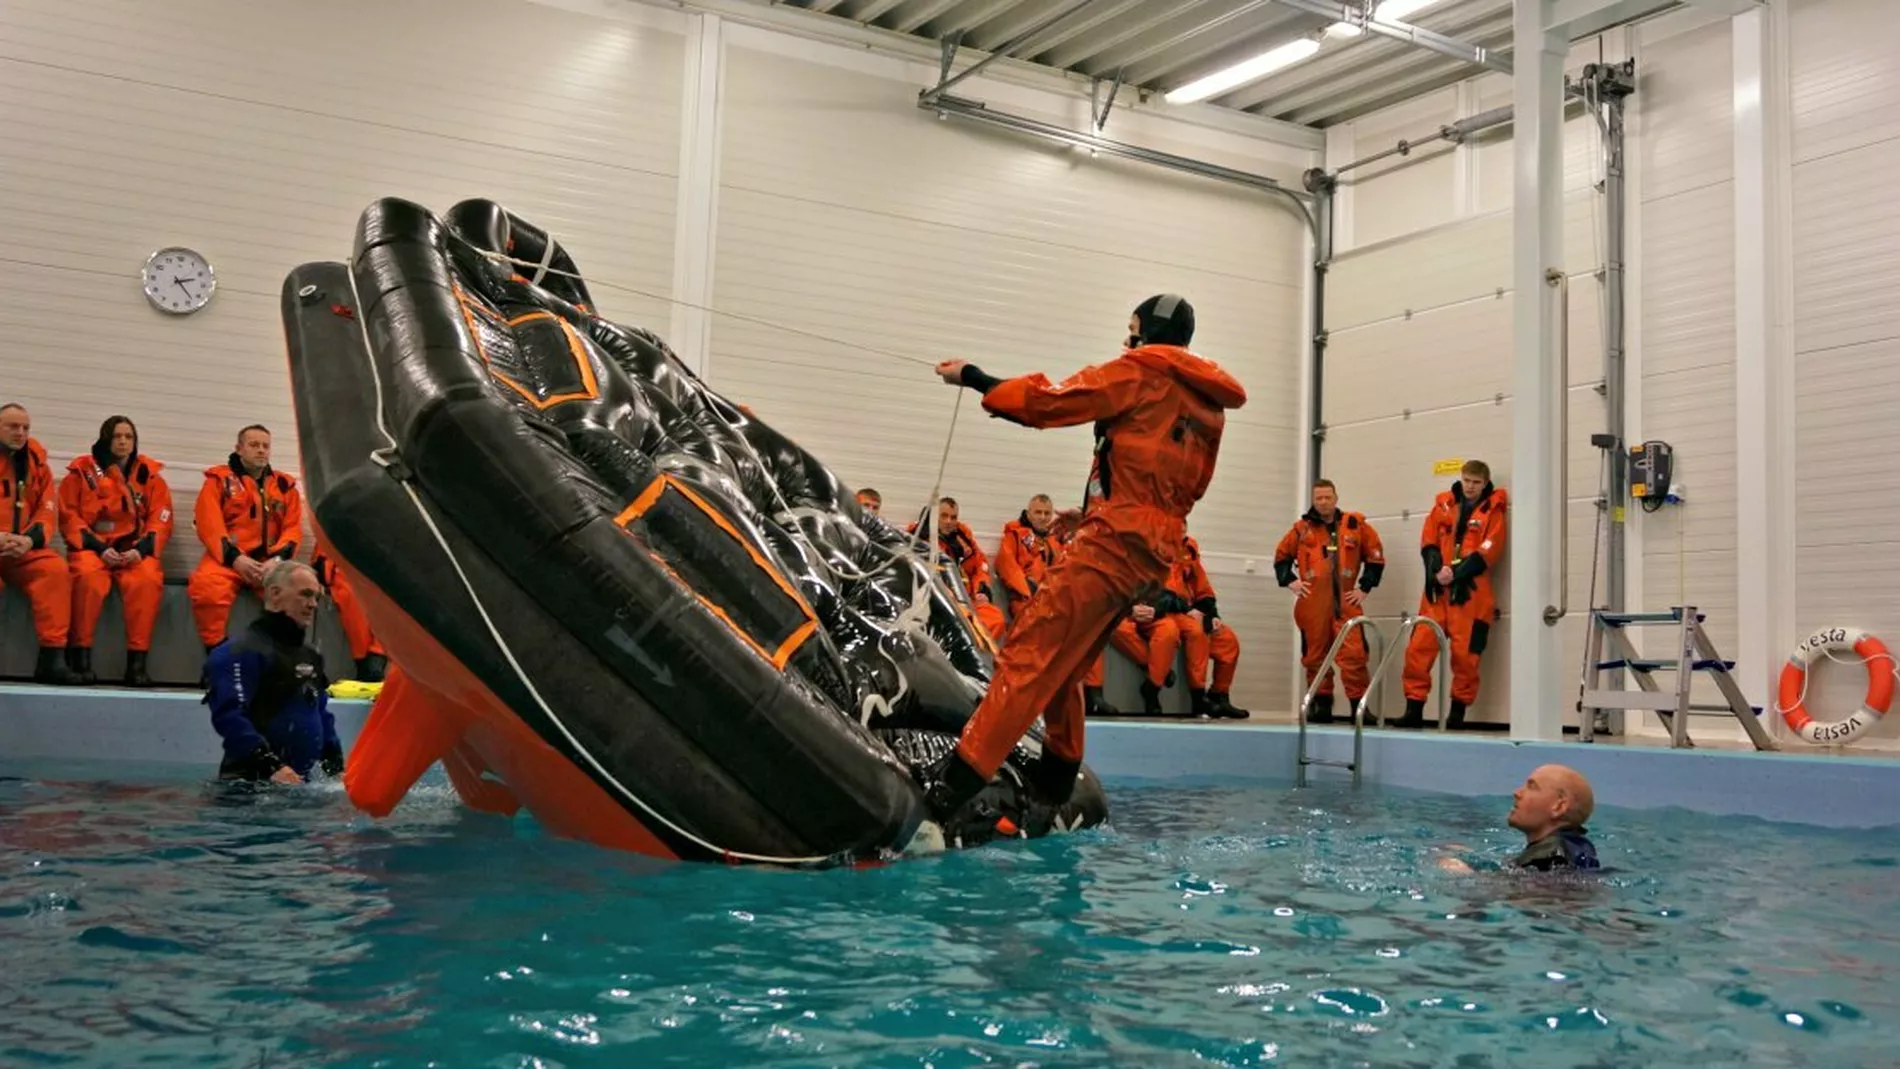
(52, 669)
(1414, 717)
(1321, 711)
(1096, 705)
(1224, 708)
(135, 673)
(949, 785)
(1053, 778)
(1197, 698)
(372, 668)
(1150, 698)
(1455, 719)
(79, 662)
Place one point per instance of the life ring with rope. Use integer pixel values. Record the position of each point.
(1791, 702)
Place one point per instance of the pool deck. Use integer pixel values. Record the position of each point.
(1839, 789)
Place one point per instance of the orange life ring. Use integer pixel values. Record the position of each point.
(1794, 680)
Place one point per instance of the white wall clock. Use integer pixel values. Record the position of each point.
(179, 280)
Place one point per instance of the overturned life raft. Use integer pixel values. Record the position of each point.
(612, 596)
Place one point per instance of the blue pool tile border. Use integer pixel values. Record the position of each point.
(1815, 788)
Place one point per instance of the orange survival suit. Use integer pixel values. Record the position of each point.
(1153, 643)
(1023, 564)
(958, 544)
(1158, 412)
(239, 514)
(1466, 536)
(26, 492)
(371, 661)
(106, 505)
(1333, 557)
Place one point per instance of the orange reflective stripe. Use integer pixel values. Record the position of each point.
(777, 658)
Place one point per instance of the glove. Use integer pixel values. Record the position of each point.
(1210, 612)
(1170, 604)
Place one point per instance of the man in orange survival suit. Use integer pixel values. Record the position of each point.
(1158, 412)
(1462, 539)
(115, 512)
(958, 543)
(1029, 549)
(26, 561)
(1330, 560)
(371, 661)
(247, 515)
(1204, 633)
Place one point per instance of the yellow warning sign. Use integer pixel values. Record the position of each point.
(1448, 467)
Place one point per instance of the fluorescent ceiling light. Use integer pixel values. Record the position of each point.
(1393, 10)
(1343, 29)
(1241, 73)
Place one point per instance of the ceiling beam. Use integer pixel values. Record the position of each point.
(1417, 36)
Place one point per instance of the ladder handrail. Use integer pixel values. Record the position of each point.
(1442, 662)
(1330, 664)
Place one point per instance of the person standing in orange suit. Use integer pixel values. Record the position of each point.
(1203, 635)
(27, 559)
(248, 515)
(958, 544)
(1462, 541)
(371, 661)
(115, 513)
(1159, 411)
(1330, 560)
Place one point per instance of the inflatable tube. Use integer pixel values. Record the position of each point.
(1794, 685)
(613, 597)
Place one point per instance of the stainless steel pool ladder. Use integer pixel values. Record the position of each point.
(1694, 653)
(1330, 664)
(1442, 664)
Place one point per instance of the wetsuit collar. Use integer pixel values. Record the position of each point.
(280, 628)
(1312, 516)
(102, 456)
(238, 468)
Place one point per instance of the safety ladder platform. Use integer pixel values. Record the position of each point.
(1672, 705)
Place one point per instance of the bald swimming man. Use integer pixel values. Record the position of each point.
(1551, 809)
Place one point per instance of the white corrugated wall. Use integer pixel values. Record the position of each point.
(1419, 367)
(1846, 139)
(256, 133)
(846, 212)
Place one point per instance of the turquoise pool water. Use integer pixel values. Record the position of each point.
(145, 922)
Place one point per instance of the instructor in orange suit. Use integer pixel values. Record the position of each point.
(27, 559)
(248, 515)
(115, 512)
(1330, 560)
(1159, 412)
(1462, 542)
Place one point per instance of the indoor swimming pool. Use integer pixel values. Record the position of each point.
(150, 919)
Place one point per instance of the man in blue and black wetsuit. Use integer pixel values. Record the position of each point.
(1551, 809)
(268, 691)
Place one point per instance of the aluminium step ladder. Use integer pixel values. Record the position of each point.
(1694, 653)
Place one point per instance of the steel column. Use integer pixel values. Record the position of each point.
(1539, 508)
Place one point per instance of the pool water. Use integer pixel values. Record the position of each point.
(145, 919)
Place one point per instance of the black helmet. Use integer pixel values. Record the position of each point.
(1166, 319)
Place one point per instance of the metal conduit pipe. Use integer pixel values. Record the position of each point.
(979, 112)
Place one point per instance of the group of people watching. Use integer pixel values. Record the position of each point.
(1183, 616)
(1330, 560)
(112, 511)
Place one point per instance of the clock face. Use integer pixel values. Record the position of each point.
(179, 281)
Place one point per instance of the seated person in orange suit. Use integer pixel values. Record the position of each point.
(115, 512)
(371, 662)
(958, 544)
(247, 516)
(1203, 632)
(27, 559)
(1029, 549)
(1149, 637)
